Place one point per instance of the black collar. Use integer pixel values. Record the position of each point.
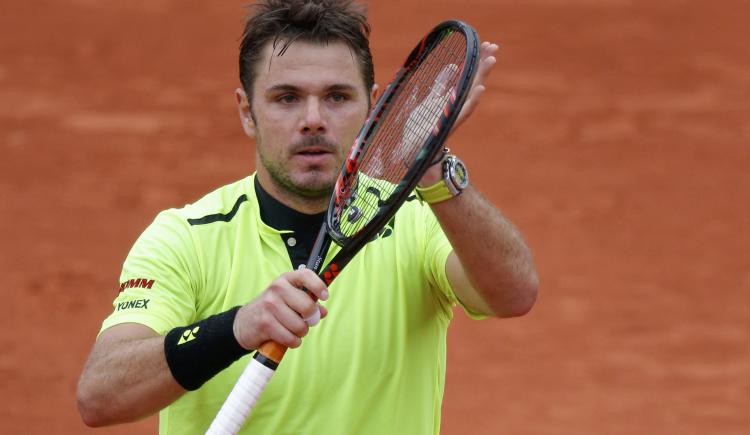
(280, 217)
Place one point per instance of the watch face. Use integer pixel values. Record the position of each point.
(459, 174)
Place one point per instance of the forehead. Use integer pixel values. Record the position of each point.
(308, 65)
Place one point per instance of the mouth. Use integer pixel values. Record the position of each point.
(313, 151)
(315, 156)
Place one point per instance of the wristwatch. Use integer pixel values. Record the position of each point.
(455, 180)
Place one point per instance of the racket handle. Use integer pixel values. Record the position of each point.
(247, 390)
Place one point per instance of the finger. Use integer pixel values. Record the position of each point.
(290, 320)
(485, 66)
(314, 318)
(306, 309)
(260, 321)
(307, 279)
(472, 101)
(285, 337)
(288, 290)
(487, 49)
(273, 327)
(486, 61)
(305, 305)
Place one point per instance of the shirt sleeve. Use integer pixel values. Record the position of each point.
(437, 250)
(159, 279)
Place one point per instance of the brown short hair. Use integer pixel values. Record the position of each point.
(317, 21)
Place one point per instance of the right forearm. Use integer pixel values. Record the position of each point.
(126, 380)
(133, 372)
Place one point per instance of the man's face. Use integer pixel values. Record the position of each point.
(307, 107)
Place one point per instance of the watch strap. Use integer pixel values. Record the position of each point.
(437, 192)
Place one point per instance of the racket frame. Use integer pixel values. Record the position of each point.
(351, 245)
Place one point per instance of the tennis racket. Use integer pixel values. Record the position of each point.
(400, 139)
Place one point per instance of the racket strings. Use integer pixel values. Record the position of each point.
(406, 124)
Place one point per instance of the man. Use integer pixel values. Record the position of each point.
(206, 284)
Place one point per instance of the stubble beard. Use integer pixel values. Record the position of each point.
(314, 184)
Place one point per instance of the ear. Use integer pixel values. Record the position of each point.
(243, 109)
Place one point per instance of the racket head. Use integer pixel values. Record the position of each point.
(403, 134)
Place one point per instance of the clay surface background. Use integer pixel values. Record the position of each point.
(615, 133)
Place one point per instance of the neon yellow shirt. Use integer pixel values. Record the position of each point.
(375, 365)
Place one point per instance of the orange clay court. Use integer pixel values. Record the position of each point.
(619, 136)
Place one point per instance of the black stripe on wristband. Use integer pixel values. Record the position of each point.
(197, 352)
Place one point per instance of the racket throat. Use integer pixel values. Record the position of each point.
(319, 251)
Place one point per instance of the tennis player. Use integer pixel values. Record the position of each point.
(206, 284)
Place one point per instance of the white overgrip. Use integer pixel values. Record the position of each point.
(241, 400)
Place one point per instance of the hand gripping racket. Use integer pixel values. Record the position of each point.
(400, 139)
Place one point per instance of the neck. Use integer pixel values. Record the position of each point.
(290, 199)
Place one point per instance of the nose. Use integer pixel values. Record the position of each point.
(314, 120)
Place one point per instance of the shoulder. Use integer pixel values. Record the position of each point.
(174, 227)
(220, 205)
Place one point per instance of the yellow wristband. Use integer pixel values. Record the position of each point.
(434, 193)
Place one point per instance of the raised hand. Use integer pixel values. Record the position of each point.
(487, 61)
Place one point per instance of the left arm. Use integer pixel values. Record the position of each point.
(491, 268)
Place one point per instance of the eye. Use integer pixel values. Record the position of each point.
(338, 97)
(287, 98)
